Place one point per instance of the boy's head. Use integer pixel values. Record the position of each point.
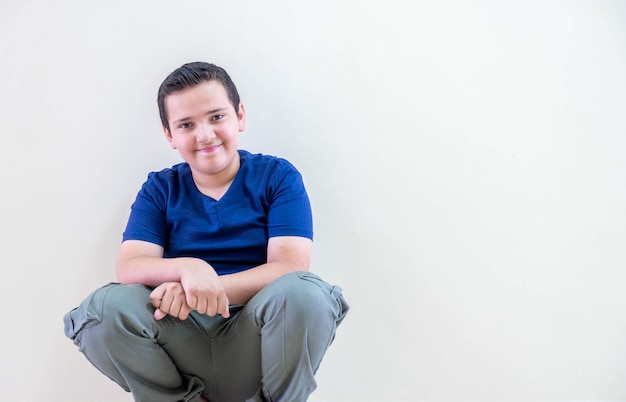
(192, 74)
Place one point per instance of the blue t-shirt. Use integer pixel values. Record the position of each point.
(266, 199)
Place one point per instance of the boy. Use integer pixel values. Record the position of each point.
(215, 301)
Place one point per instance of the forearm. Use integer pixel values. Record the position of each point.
(242, 286)
(142, 262)
(151, 271)
(285, 254)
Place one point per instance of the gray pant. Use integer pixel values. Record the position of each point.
(268, 350)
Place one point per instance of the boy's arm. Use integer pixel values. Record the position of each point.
(143, 262)
(284, 254)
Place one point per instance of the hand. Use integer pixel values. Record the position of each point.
(204, 290)
(169, 298)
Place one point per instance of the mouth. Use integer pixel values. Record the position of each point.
(210, 149)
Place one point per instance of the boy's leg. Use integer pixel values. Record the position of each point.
(269, 350)
(163, 360)
(295, 319)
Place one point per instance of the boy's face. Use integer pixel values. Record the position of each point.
(204, 128)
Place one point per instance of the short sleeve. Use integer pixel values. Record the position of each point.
(289, 208)
(147, 220)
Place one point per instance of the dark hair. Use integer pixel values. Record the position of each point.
(192, 74)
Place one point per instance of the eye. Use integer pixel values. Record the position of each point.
(217, 117)
(184, 125)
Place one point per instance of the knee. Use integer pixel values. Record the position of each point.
(310, 299)
(110, 307)
(89, 324)
(127, 301)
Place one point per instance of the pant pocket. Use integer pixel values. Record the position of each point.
(88, 313)
(342, 304)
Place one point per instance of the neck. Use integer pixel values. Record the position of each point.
(215, 185)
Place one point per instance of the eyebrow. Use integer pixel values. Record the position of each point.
(221, 109)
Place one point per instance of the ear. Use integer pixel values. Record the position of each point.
(169, 137)
(241, 117)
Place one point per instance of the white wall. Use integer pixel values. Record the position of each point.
(465, 161)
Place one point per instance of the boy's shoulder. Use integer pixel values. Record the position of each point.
(257, 160)
(254, 166)
(168, 179)
(175, 171)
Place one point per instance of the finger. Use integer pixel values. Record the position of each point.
(159, 314)
(211, 306)
(184, 313)
(169, 304)
(191, 299)
(201, 306)
(223, 307)
(156, 295)
(177, 306)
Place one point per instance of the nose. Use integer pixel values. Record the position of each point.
(205, 133)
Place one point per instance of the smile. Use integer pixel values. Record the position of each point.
(210, 149)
